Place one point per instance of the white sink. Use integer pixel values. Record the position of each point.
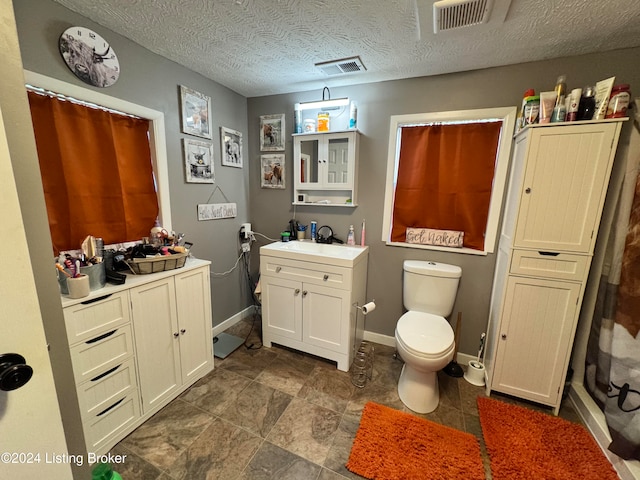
(331, 254)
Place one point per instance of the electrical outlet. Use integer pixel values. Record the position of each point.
(246, 247)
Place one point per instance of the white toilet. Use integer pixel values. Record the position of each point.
(424, 338)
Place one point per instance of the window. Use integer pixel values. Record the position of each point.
(156, 130)
(438, 191)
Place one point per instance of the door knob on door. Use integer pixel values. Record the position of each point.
(14, 372)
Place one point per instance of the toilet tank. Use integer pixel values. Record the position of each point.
(430, 287)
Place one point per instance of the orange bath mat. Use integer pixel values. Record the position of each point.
(523, 443)
(393, 445)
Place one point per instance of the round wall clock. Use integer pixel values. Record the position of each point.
(89, 56)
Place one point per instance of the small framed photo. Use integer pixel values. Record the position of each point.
(272, 171)
(231, 144)
(272, 133)
(195, 112)
(198, 159)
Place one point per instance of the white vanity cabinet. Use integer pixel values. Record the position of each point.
(308, 300)
(135, 347)
(559, 179)
(325, 168)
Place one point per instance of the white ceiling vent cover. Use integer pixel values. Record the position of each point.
(342, 66)
(453, 14)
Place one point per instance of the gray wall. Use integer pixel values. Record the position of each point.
(494, 87)
(153, 81)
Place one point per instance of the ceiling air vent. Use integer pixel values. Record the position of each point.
(344, 65)
(452, 14)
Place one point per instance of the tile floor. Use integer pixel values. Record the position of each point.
(278, 414)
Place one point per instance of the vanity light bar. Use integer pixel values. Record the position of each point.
(322, 104)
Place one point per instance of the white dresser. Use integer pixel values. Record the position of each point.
(559, 179)
(135, 347)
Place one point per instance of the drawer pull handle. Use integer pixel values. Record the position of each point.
(93, 300)
(102, 375)
(296, 291)
(549, 254)
(325, 278)
(278, 269)
(101, 337)
(109, 408)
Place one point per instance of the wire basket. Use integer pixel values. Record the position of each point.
(161, 263)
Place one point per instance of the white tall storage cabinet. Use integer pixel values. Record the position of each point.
(559, 178)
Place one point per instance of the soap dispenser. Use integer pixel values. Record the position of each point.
(351, 240)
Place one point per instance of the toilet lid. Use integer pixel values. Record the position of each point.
(425, 333)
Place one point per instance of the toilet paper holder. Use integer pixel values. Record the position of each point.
(367, 307)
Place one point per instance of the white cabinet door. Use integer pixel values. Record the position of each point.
(156, 332)
(325, 314)
(193, 304)
(564, 186)
(281, 308)
(534, 338)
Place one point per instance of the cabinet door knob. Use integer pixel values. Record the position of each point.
(176, 334)
(527, 190)
(503, 336)
(183, 331)
(304, 293)
(278, 269)
(296, 291)
(325, 278)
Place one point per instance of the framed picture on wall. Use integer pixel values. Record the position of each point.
(198, 160)
(231, 144)
(272, 133)
(195, 110)
(272, 171)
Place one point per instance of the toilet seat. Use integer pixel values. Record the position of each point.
(424, 334)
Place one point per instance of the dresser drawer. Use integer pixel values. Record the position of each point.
(315, 273)
(107, 424)
(550, 265)
(102, 390)
(99, 354)
(93, 317)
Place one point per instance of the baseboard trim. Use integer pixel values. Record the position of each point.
(461, 358)
(231, 321)
(595, 422)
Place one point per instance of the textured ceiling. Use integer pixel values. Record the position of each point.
(264, 47)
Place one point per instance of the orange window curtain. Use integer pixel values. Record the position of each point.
(96, 172)
(445, 176)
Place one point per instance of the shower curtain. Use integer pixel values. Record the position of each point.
(612, 374)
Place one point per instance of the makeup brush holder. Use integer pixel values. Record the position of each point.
(475, 373)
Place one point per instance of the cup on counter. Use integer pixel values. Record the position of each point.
(78, 286)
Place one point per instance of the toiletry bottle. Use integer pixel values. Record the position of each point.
(297, 115)
(362, 234)
(351, 239)
(559, 111)
(520, 120)
(561, 89)
(574, 102)
(353, 115)
(587, 105)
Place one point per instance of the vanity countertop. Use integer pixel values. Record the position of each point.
(325, 253)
